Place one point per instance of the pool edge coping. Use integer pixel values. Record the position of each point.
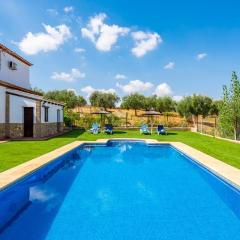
(223, 170)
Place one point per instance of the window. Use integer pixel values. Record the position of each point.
(46, 114)
(58, 115)
(12, 65)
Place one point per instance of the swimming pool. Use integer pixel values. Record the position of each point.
(121, 190)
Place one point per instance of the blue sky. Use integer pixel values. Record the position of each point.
(171, 48)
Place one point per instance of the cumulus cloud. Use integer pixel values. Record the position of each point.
(79, 50)
(145, 42)
(135, 86)
(89, 90)
(72, 90)
(52, 11)
(169, 66)
(201, 56)
(41, 194)
(120, 76)
(73, 75)
(162, 90)
(68, 9)
(46, 41)
(177, 98)
(102, 35)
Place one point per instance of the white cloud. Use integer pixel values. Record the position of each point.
(120, 76)
(162, 90)
(72, 90)
(68, 77)
(135, 86)
(45, 41)
(102, 35)
(52, 11)
(169, 66)
(201, 56)
(177, 98)
(145, 42)
(79, 50)
(42, 195)
(89, 90)
(68, 9)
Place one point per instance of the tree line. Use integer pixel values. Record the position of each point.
(227, 109)
(190, 105)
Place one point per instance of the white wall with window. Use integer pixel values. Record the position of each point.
(19, 75)
(23, 102)
(51, 110)
(17, 105)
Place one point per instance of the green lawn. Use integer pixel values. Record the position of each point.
(15, 152)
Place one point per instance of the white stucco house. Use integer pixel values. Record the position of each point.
(24, 112)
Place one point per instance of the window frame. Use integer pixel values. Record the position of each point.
(46, 114)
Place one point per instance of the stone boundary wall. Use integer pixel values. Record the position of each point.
(2, 130)
(40, 130)
(16, 130)
(48, 129)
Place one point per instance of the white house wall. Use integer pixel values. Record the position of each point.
(12, 111)
(52, 113)
(17, 103)
(16, 108)
(24, 94)
(2, 104)
(19, 77)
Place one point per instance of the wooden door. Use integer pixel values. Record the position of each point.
(28, 122)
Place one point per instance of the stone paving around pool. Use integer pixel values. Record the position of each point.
(229, 173)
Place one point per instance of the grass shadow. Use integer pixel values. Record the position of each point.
(72, 134)
(119, 132)
(172, 133)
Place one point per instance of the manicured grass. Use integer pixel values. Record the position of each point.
(16, 152)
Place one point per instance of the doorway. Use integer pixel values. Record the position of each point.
(28, 121)
(58, 121)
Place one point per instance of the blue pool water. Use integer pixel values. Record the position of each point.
(122, 190)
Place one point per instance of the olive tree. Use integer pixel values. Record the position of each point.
(166, 104)
(184, 107)
(150, 102)
(103, 99)
(215, 107)
(214, 112)
(70, 99)
(201, 105)
(193, 106)
(133, 101)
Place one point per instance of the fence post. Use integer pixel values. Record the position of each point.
(215, 125)
(126, 118)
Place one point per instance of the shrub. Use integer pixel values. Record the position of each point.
(70, 117)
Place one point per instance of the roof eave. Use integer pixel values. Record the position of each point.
(14, 54)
